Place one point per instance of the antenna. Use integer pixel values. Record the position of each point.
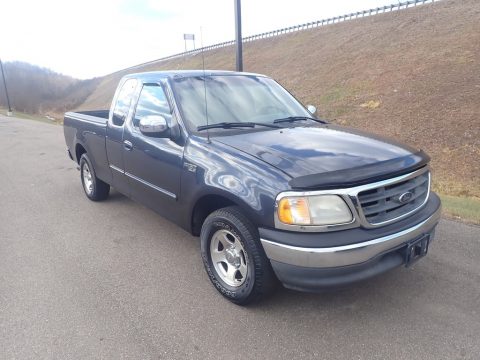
(204, 83)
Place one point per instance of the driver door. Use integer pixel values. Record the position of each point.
(153, 165)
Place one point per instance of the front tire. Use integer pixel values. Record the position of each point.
(234, 258)
(95, 189)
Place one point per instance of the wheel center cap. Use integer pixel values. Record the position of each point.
(232, 257)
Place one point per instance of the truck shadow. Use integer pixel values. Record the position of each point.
(398, 289)
(335, 297)
(116, 197)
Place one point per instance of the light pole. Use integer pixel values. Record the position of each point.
(238, 34)
(9, 113)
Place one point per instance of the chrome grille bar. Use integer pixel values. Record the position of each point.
(391, 201)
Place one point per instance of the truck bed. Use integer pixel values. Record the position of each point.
(85, 131)
(95, 116)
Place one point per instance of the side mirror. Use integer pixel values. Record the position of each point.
(154, 125)
(312, 109)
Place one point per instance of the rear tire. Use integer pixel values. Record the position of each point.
(95, 189)
(234, 257)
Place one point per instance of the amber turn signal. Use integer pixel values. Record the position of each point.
(294, 210)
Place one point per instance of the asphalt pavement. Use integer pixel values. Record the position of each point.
(113, 280)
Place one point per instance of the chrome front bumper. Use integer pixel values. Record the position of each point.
(331, 257)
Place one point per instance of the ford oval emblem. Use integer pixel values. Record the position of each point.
(405, 197)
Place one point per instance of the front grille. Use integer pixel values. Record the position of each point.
(393, 201)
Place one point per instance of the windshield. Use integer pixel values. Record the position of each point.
(233, 98)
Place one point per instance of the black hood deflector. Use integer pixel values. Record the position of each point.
(361, 175)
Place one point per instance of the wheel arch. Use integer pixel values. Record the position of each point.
(208, 203)
(79, 151)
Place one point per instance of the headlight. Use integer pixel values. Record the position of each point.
(313, 210)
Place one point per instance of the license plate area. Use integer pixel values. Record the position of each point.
(416, 249)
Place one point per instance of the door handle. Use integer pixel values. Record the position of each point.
(127, 145)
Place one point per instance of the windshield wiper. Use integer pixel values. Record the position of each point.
(231, 125)
(297, 118)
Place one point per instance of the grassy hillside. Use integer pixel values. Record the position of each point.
(412, 75)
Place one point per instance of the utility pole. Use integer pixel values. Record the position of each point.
(9, 113)
(238, 34)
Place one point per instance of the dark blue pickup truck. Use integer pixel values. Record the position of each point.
(275, 193)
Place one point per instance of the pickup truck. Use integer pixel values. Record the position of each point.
(275, 193)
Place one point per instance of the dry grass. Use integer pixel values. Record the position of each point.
(417, 71)
(461, 208)
(23, 115)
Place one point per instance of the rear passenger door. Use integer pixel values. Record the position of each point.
(114, 142)
(153, 165)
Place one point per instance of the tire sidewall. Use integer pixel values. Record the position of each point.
(85, 160)
(211, 226)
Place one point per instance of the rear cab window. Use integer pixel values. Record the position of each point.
(123, 102)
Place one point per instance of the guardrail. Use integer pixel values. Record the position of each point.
(334, 20)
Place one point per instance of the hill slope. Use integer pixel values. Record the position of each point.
(413, 75)
(37, 90)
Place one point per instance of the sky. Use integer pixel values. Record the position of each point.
(89, 38)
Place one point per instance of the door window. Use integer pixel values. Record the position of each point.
(152, 101)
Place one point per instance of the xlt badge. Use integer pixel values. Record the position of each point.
(190, 167)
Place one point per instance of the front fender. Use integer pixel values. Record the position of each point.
(217, 169)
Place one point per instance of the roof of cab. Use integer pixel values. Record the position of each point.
(171, 74)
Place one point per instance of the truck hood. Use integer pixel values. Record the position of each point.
(328, 156)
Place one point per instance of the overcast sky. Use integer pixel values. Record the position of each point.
(87, 38)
